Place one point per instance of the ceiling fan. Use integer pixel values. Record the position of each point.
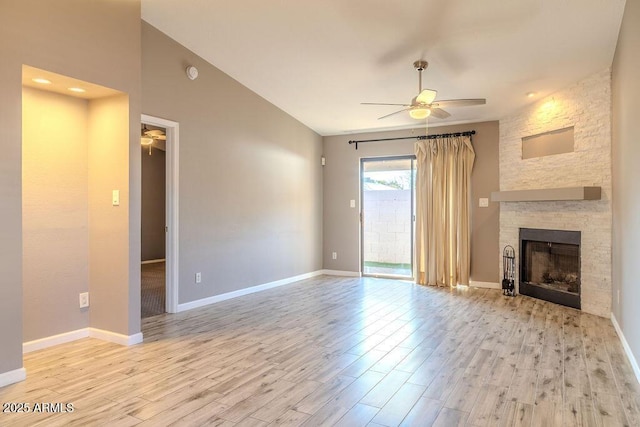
(424, 105)
(149, 135)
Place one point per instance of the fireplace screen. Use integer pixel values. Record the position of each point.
(550, 265)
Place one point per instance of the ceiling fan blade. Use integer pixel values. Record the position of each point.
(459, 102)
(426, 96)
(154, 132)
(439, 113)
(395, 112)
(380, 103)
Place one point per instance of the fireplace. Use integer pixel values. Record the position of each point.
(550, 265)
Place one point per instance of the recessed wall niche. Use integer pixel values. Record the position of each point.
(75, 147)
(547, 144)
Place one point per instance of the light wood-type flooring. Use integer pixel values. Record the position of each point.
(347, 352)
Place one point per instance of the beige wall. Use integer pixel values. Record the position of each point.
(96, 41)
(109, 257)
(73, 241)
(626, 176)
(341, 184)
(55, 213)
(250, 176)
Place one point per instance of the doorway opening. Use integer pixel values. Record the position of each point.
(153, 221)
(387, 188)
(159, 216)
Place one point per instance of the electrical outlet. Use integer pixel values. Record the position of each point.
(84, 300)
(334, 255)
(198, 277)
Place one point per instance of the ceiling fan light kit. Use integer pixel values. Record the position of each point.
(424, 104)
(149, 135)
(145, 140)
(419, 113)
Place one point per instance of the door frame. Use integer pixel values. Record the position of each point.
(363, 160)
(171, 208)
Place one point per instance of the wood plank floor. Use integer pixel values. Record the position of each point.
(347, 352)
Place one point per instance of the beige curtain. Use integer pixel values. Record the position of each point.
(443, 220)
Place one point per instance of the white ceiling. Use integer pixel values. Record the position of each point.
(317, 60)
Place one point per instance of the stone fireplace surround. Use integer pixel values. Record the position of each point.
(588, 165)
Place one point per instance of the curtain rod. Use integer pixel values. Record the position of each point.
(420, 137)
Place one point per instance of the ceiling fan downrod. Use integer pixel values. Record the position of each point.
(420, 66)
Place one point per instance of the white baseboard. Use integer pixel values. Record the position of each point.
(489, 285)
(115, 337)
(342, 273)
(66, 337)
(152, 261)
(246, 291)
(627, 349)
(39, 344)
(12, 377)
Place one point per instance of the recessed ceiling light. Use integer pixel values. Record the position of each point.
(77, 89)
(42, 81)
(531, 94)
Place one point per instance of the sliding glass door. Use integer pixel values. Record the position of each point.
(387, 216)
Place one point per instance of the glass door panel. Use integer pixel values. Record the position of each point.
(387, 186)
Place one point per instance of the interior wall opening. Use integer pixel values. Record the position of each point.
(161, 136)
(75, 139)
(153, 222)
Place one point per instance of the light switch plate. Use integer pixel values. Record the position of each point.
(484, 202)
(115, 198)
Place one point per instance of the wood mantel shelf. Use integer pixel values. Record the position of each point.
(547, 194)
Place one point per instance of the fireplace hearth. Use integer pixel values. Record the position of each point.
(550, 265)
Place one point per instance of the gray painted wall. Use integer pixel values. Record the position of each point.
(97, 41)
(341, 184)
(153, 204)
(55, 215)
(626, 176)
(250, 176)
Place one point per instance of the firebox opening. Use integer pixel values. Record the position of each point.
(550, 265)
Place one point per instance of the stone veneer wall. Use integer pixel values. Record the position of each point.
(587, 106)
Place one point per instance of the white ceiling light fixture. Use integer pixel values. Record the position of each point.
(192, 72)
(146, 141)
(419, 113)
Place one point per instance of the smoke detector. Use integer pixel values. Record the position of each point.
(192, 72)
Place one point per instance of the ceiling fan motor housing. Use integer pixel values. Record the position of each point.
(420, 65)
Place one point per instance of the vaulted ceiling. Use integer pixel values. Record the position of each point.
(318, 60)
